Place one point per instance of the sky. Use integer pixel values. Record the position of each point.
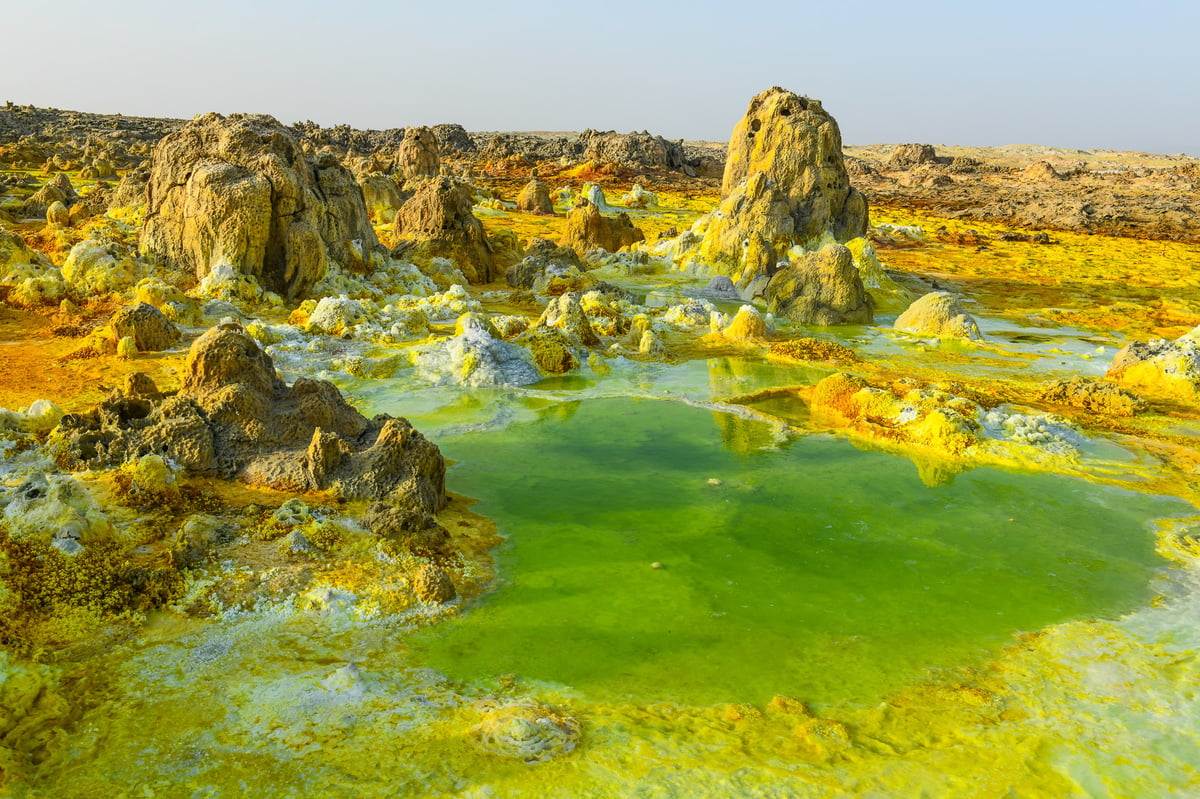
(1096, 75)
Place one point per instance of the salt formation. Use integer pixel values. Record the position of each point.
(525, 731)
(1161, 367)
(938, 314)
(797, 145)
(476, 356)
(240, 191)
(149, 328)
(820, 288)
(785, 188)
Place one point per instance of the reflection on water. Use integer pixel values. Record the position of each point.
(814, 569)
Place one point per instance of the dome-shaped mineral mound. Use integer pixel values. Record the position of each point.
(525, 731)
(798, 146)
(239, 190)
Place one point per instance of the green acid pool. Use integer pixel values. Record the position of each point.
(814, 568)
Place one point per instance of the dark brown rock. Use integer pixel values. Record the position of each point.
(235, 418)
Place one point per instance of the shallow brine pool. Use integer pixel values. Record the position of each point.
(659, 551)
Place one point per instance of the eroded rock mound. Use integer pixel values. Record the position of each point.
(938, 314)
(635, 150)
(239, 190)
(821, 288)
(149, 328)
(234, 417)
(1040, 172)
(131, 190)
(549, 269)
(381, 194)
(908, 155)
(1095, 396)
(798, 146)
(453, 138)
(438, 220)
(587, 229)
(418, 155)
(535, 198)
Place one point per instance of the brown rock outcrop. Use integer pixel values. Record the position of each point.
(240, 190)
(39, 203)
(131, 190)
(588, 229)
(418, 155)
(235, 418)
(535, 198)
(150, 329)
(633, 150)
(437, 221)
(1039, 172)
(1095, 396)
(821, 288)
(907, 155)
(798, 146)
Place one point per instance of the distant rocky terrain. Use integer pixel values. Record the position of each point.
(1125, 193)
(1103, 191)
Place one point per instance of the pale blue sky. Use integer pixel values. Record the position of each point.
(1071, 74)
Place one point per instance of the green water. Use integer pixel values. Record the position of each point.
(815, 569)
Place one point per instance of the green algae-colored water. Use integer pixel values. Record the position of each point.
(813, 569)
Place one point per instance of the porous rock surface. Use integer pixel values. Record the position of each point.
(1095, 396)
(748, 231)
(418, 155)
(240, 190)
(233, 417)
(149, 327)
(798, 146)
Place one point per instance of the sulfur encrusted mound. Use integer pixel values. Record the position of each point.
(798, 146)
(820, 288)
(938, 314)
(239, 190)
(588, 229)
